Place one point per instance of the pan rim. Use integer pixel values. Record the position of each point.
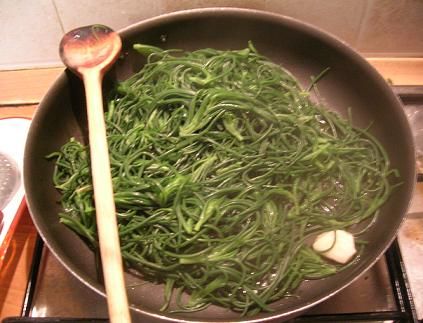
(297, 24)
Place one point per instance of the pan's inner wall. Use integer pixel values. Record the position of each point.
(351, 83)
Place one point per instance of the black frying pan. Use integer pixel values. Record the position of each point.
(305, 51)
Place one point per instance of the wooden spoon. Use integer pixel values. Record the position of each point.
(89, 52)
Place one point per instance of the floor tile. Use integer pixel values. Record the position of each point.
(172, 5)
(340, 18)
(31, 29)
(112, 13)
(30, 34)
(393, 27)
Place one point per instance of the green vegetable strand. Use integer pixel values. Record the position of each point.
(224, 170)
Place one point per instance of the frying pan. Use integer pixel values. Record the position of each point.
(305, 51)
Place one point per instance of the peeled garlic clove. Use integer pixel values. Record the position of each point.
(336, 245)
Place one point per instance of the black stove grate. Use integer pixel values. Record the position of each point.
(402, 292)
(405, 314)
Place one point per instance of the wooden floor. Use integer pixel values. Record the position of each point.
(17, 263)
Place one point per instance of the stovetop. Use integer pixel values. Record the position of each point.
(382, 294)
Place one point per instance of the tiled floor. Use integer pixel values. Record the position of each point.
(29, 33)
(30, 30)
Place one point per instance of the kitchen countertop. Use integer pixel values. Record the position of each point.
(20, 93)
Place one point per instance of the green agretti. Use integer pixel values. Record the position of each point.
(223, 170)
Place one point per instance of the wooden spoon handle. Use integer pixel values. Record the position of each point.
(104, 202)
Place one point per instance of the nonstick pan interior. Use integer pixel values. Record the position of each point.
(302, 49)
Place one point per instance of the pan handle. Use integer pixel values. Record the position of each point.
(411, 96)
